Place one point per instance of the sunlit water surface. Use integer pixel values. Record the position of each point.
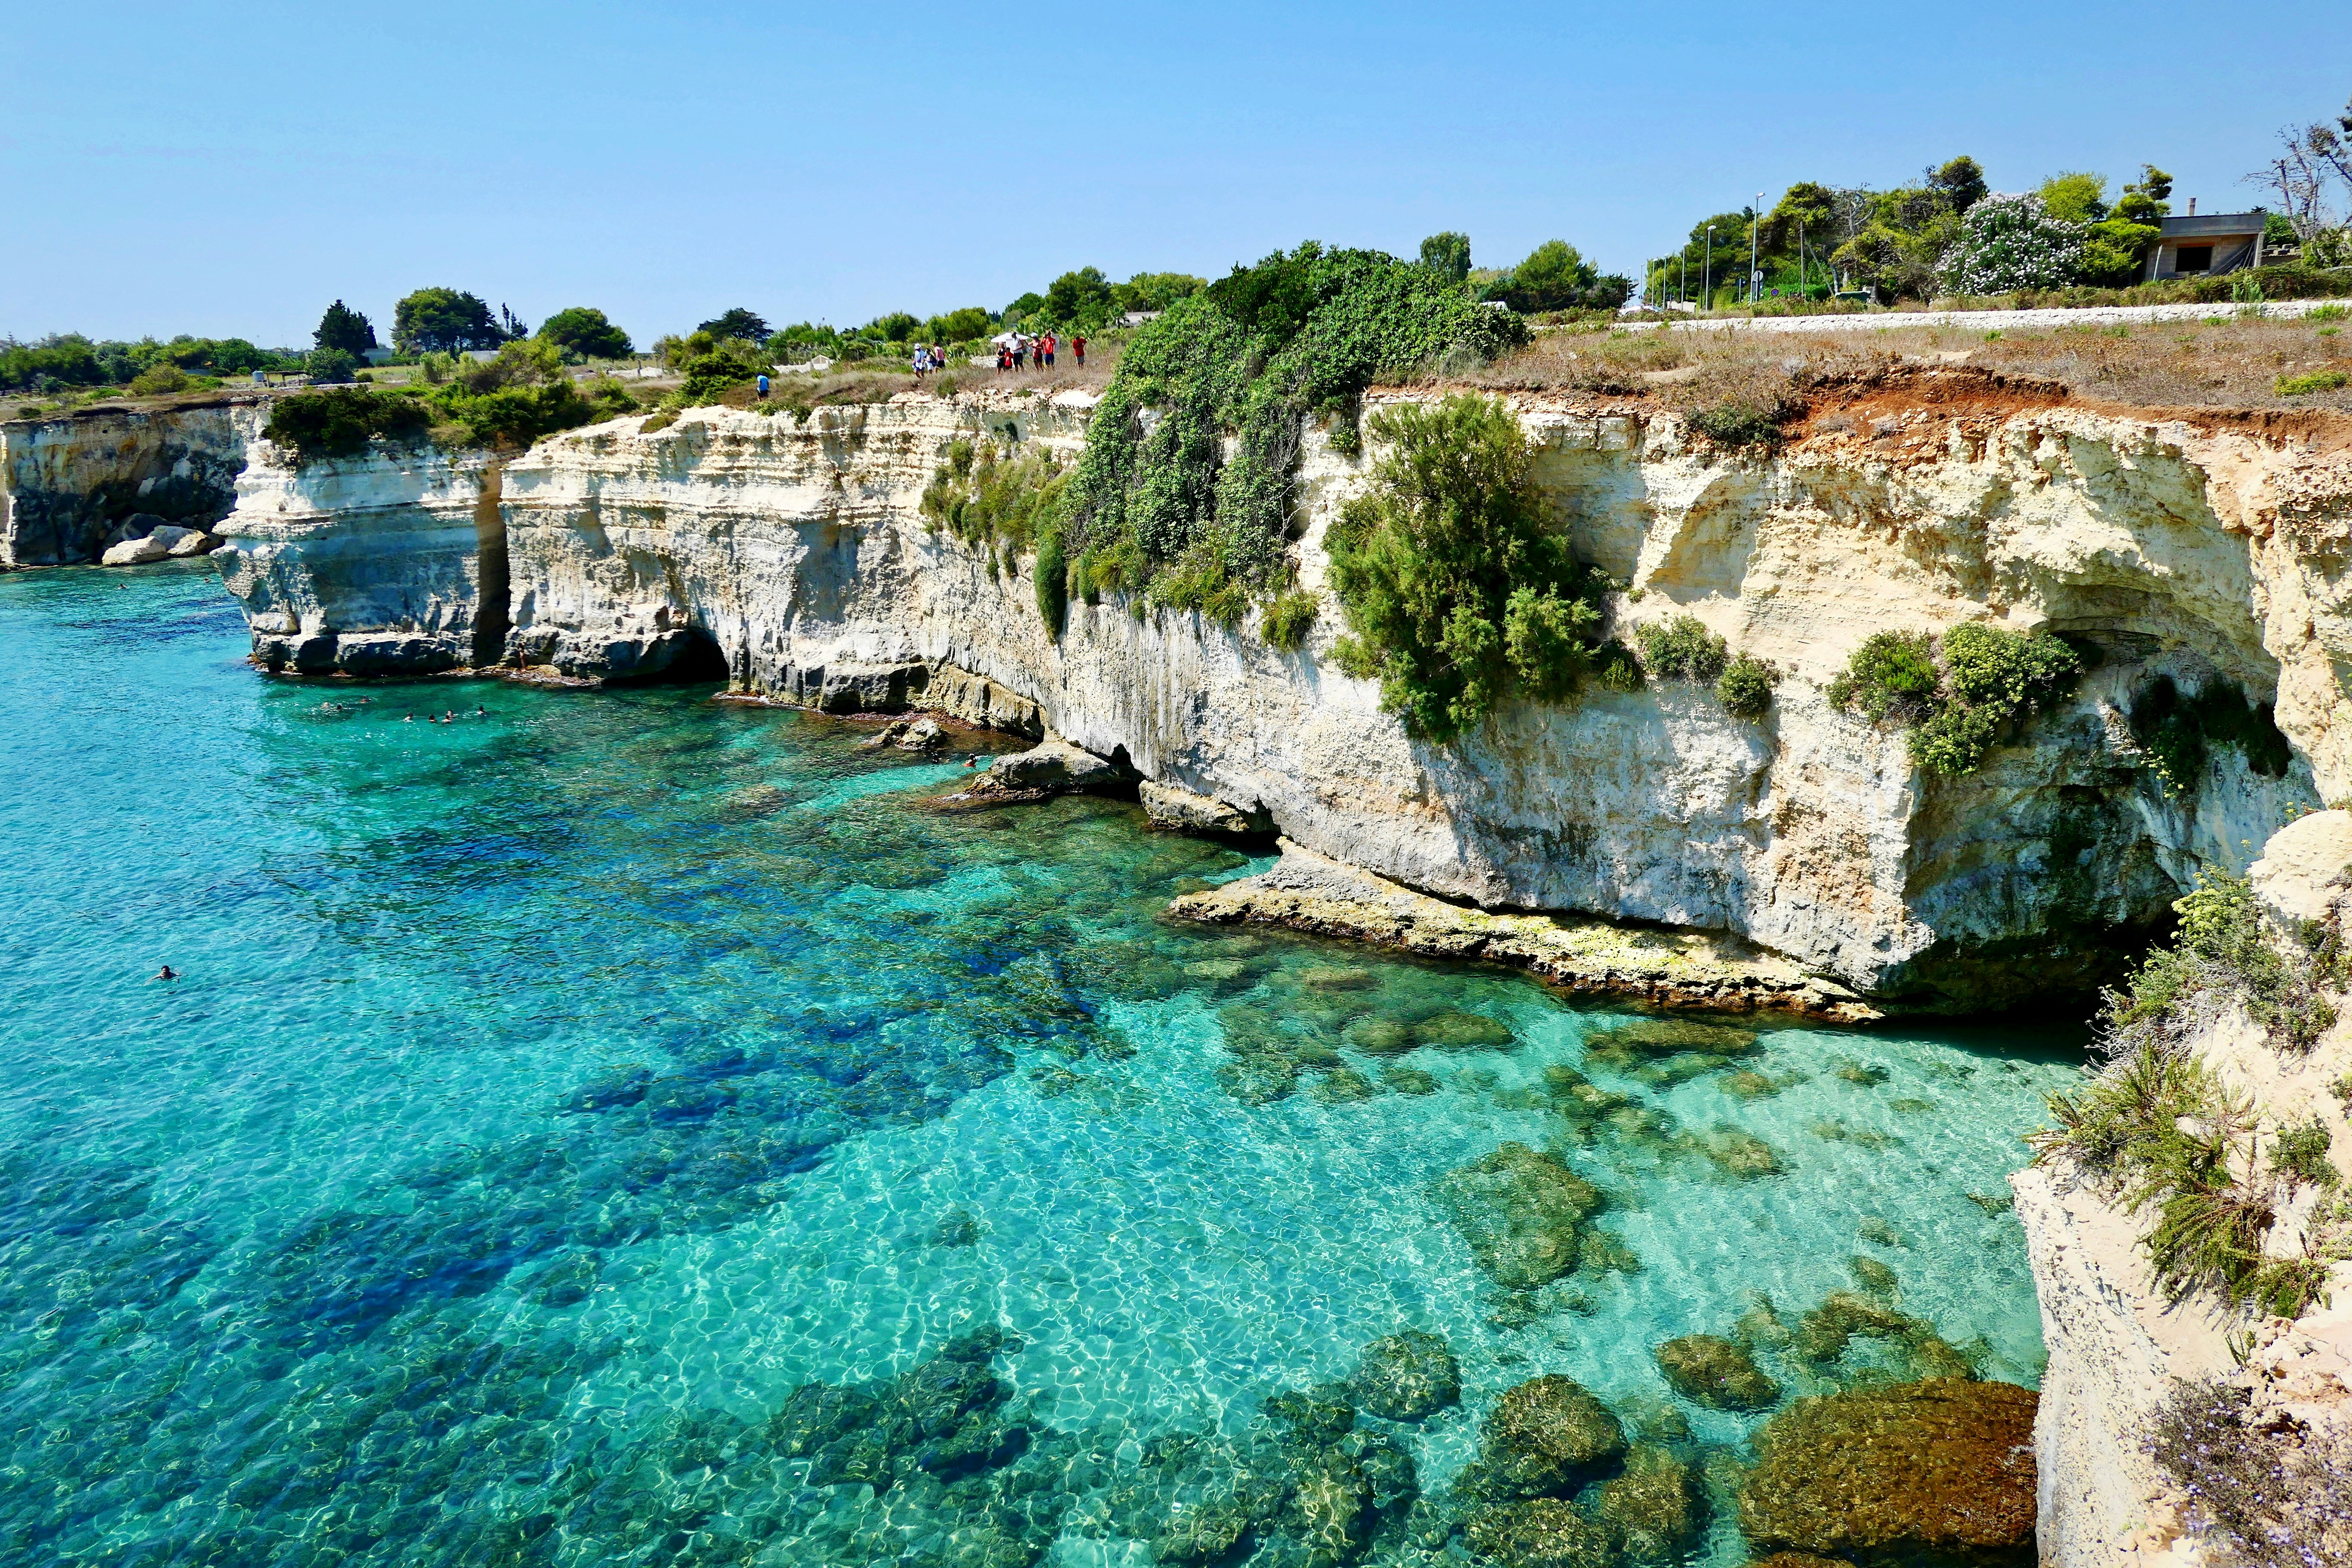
(548, 1095)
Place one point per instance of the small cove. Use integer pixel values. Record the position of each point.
(550, 1094)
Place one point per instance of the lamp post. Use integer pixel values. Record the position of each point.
(1706, 273)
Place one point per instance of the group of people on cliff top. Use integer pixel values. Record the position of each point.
(1017, 350)
(1014, 351)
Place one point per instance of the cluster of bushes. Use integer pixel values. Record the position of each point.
(1946, 234)
(505, 403)
(1958, 700)
(70, 360)
(2266, 1494)
(1682, 648)
(1007, 504)
(1158, 508)
(2155, 1127)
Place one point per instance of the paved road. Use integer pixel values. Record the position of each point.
(1992, 321)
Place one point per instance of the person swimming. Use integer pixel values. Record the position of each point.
(165, 973)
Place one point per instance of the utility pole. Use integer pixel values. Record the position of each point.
(1755, 232)
(1706, 273)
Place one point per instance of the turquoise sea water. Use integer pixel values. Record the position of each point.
(550, 1094)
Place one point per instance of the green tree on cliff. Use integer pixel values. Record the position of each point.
(738, 323)
(584, 333)
(345, 329)
(443, 321)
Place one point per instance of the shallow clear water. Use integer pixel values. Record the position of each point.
(547, 1095)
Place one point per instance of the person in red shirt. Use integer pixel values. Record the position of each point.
(1078, 347)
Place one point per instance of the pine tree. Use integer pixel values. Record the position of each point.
(345, 329)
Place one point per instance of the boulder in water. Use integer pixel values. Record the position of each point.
(1544, 1533)
(155, 546)
(1656, 1506)
(1407, 1376)
(1935, 1472)
(1716, 1372)
(1546, 1438)
(1521, 1212)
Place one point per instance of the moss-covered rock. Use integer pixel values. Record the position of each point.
(1543, 1532)
(1454, 1030)
(1873, 1276)
(1325, 978)
(1407, 1376)
(1521, 1213)
(1937, 1474)
(1342, 1087)
(1409, 1080)
(1546, 1438)
(1379, 1037)
(1258, 1079)
(1656, 1507)
(1672, 1037)
(1316, 1417)
(1738, 1154)
(1716, 1372)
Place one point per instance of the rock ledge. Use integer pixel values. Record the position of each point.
(1307, 891)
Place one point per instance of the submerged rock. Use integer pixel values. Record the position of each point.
(1671, 1036)
(1545, 1437)
(1407, 1376)
(1521, 1213)
(1454, 1030)
(1543, 1532)
(956, 1228)
(1343, 1085)
(1716, 1372)
(1873, 1276)
(1915, 1474)
(1655, 1508)
(1410, 1081)
(1379, 1037)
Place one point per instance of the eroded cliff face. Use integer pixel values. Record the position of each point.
(798, 553)
(2120, 1346)
(68, 485)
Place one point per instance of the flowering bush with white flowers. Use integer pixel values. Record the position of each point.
(2009, 243)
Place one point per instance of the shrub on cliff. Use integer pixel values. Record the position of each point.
(1159, 509)
(1458, 590)
(1745, 688)
(521, 395)
(2267, 1494)
(1682, 648)
(339, 422)
(2157, 1128)
(1987, 679)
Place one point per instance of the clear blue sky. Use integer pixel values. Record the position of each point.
(228, 169)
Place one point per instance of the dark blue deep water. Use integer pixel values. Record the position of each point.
(548, 1096)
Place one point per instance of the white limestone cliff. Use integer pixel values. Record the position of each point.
(797, 552)
(73, 485)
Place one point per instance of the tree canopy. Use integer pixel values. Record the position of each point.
(738, 323)
(584, 333)
(1556, 276)
(1447, 253)
(345, 329)
(446, 320)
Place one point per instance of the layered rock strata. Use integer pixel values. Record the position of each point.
(795, 558)
(74, 486)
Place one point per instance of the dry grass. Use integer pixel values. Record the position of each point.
(2223, 363)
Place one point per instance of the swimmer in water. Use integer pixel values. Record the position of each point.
(165, 973)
